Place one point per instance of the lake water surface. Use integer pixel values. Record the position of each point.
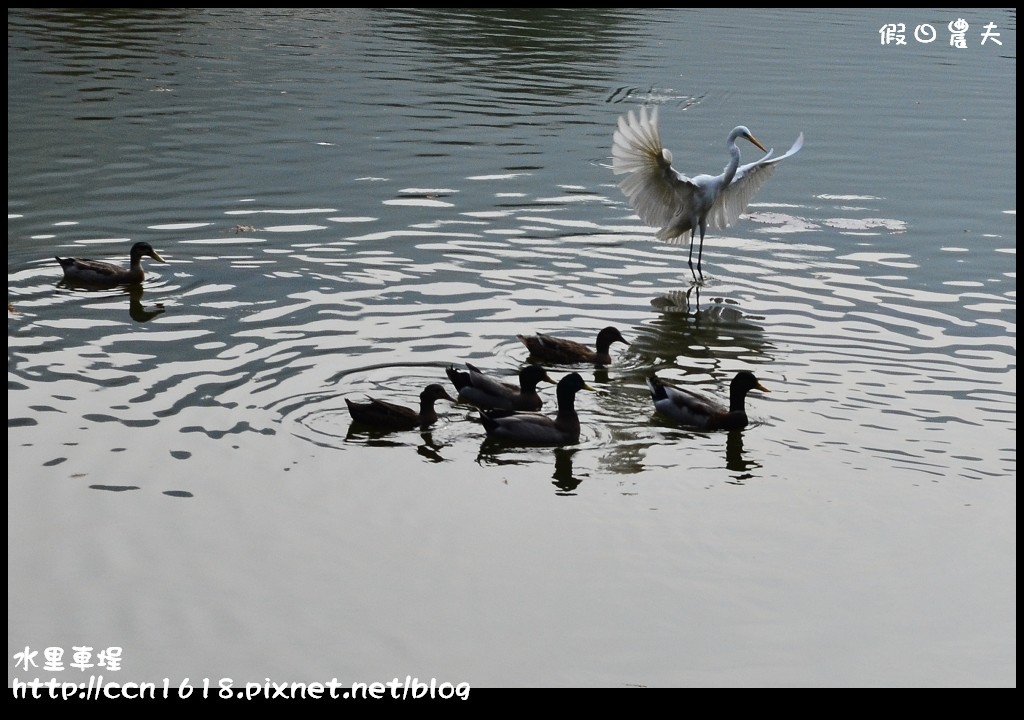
(351, 200)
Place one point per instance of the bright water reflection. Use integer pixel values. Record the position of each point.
(352, 200)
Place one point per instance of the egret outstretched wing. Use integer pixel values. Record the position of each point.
(674, 203)
(658, 193)
(733, 200)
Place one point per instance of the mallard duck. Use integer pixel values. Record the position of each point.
(104, 274)
(689, 408)
(546, 348)
(388, 416)
(531, 428)
(488, 393)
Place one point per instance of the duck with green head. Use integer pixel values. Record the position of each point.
(96, 273)
(693, 410)
(532, 428)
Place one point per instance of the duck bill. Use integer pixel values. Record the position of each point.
(156, 256)
(761, 387)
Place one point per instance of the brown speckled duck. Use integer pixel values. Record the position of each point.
(688, 408)
(548, 349)
(96, 273)
(385, 415)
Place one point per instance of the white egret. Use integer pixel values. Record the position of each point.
(679, 205)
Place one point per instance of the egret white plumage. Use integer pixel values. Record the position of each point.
(680, 205)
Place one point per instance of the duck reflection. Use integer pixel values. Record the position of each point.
(139, 312)
(736, 461)
(565, 478)
(601, 376)
(493, 452)
(357, 432)
(429, 449)
(136, 310)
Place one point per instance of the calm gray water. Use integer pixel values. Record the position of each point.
(351, 200)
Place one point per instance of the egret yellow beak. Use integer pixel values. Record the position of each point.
(757, 142)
